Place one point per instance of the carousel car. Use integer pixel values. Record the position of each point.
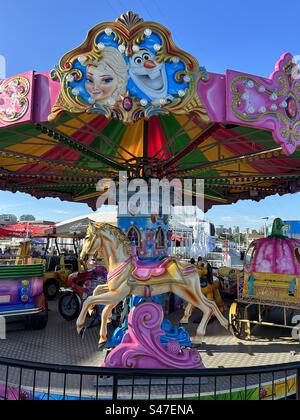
(271, 281)
(21, 293)
(58, 267)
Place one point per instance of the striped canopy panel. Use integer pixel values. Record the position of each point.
(67, 158)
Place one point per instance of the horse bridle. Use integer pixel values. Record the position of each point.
(84, 261)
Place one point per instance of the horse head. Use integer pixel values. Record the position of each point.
(108, 238)
(92, 244)
(205, 270)
(202, 268)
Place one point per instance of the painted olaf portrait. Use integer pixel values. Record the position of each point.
(149, 77)
(128, 71)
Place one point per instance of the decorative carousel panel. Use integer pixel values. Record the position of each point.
(46, 93)
(272, 104)
(212, 93)
(16, 94)
(128, 70)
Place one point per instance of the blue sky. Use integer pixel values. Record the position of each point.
(246, 35)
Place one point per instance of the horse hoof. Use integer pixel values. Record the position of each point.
(102, 346)
(196, 341)
(82, 333)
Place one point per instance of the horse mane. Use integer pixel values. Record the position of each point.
(120, 236)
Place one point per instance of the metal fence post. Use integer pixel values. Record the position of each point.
(298, 385)
(115, 388)
(13, 390)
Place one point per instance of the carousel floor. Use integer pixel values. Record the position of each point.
(60, 344)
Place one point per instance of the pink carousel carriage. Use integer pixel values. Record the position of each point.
(271, 280)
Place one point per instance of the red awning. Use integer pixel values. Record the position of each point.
(21, 230)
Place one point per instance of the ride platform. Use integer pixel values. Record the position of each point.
(60, 344)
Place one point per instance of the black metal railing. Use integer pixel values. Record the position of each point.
(21, 380)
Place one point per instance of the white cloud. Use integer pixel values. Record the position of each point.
(227, 219)
(6, 207)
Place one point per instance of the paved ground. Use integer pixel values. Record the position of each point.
(235, 258)
(60, 344)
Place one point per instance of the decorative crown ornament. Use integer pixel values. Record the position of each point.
(130, 19)
(128, 70)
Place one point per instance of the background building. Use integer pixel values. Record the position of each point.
(27, 218)
(219, 230)
(8, 219)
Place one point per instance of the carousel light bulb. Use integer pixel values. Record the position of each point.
(135, 48)
(111, 102)
(122, 48)
(261, 89)
(250, 84)
(148, 32)
(108, 31)
(181, 93)
(75, 92)
(162, 101)
(157, 47)
(175, 60)
(14, 83)
(187, 78)
(100, 46)
(245, 96)
(262, 109)
(70, 78)
(284, 104)
(250, 110)
(82, 59)
(144, 102)
(274, 96)
(274, 107)
(92, 101)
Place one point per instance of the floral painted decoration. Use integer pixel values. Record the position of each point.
(269, 103)
(13, 99)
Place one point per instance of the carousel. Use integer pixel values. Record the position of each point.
(128, 104)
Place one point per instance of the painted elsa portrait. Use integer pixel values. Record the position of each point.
(107, 78)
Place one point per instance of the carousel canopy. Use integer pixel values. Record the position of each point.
(128, 99)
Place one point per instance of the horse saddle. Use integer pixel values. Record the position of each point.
(145, 270)
(156, 272)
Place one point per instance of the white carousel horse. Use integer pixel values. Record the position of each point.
(129, 276)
